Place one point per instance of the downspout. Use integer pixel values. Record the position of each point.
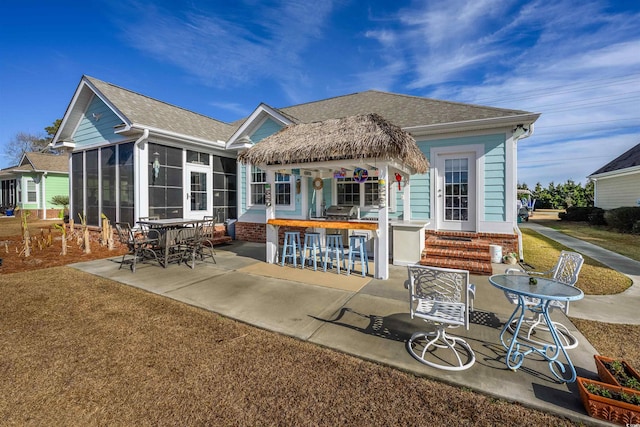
(517, 229)
(136, 173)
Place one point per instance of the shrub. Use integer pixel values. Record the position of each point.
(623, 219)
(574, 213)
(596, 217)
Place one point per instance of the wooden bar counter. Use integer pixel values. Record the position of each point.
(310, 223)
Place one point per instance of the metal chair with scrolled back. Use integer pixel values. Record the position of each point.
(565, 271)
(140, 246)
(440, 296)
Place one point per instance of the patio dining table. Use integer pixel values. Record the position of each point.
(172, 233)
(545, 290)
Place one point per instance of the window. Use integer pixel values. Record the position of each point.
(224, 188)
(456, 189)
(258, 183)
(197, 158)
(283, 189)
(165, 189)
(282, 196)
(351, 193)
(32, 195)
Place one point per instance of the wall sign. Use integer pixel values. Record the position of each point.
(360, 175)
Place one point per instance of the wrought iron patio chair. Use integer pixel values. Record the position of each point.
(440, 296)
(565, 271)
(196, 242)
(140, 246)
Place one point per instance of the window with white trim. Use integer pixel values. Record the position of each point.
(282, 196)
(32, 193)
(352, 193)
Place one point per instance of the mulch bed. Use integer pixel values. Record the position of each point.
(45, 254)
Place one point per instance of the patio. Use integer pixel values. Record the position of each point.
(372, 323)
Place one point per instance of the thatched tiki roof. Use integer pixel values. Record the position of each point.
(367, 136)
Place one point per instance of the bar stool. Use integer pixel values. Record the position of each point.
(334, 250)
(291, 247)
(311, 249)
(358, 248)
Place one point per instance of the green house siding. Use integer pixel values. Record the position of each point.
(56, 185)
(96, 126)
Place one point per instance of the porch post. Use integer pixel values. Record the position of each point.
(406, 198)
(381, 252)
(270, 211)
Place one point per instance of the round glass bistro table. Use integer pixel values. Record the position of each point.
(544, 291)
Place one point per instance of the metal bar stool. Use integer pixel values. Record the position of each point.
(358, 248)
(311, 249)
(291, 247)
(334, 250)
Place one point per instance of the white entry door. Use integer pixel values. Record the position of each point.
(456, 192)
(198, 200)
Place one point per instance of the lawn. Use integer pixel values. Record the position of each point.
(82, 350)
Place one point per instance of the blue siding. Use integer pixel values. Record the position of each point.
(269, 127)
(495, 179)
(93, 131)
(494, 158)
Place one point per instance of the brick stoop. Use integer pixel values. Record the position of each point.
(220, 235)
(459, 250)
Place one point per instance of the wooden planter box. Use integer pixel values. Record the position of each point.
(606, 375)
(606, 408)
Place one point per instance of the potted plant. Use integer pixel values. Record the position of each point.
(617, 372)
(609, 402)
(510, 258)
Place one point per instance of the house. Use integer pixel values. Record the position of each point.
(133, 156)
(33, 182)
(617, 183)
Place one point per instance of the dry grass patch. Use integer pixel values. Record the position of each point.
(613, 340)
(595, 278)
(79, 349)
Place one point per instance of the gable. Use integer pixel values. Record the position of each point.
(97, 125)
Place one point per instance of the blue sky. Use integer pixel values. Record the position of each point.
(576, 62)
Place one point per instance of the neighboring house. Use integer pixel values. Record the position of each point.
(33, 182)
(133, 156)
(617, 183)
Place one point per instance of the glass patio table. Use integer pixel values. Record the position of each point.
(171, 231)
(545, 291)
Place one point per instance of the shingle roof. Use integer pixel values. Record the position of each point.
(401, 110)
(150, 112)
(628, 159)
(44, 162)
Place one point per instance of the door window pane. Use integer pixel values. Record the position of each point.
(456, 200)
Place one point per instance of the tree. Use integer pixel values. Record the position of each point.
(24, 142)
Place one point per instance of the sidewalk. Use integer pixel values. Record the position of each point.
(618, 308)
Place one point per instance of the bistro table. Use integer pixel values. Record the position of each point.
(171, 230)
(545, 290)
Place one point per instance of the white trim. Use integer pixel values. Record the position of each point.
(616, 173)
(469, 125)
(262, 111)
(476, 150)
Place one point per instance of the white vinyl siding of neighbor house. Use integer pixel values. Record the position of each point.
(617, 191)
(93, 130)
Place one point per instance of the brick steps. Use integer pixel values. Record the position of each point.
(457, 250)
